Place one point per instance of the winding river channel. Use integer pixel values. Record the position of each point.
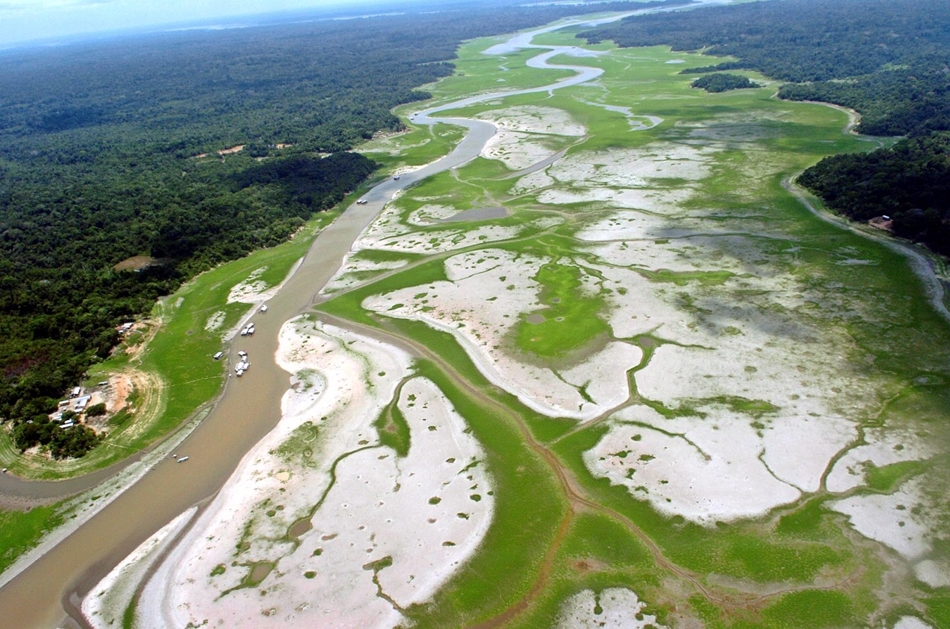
(46, 593)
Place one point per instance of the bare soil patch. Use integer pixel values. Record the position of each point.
(134, 263)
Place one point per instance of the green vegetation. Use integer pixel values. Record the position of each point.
(569, 320)
(297, 449)
(723, 82)
(805, 522)
(743, 254)
(394, 430)
(828, 51)
(811, 609)
(888, 477)
(938, 609)
(145, 155)
(832, 52)
(747, 257)
(20, 531)
(909, 183)
(96, 410)
(705, 278)
(528, 508)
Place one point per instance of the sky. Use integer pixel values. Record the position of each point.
(27, 20)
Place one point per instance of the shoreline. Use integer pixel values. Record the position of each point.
(317, 471)
(923, 263)
(67, 547)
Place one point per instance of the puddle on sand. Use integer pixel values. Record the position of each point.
(299, 527)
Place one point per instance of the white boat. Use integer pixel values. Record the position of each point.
(183, 459)
(264, 308)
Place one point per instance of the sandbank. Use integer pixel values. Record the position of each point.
(485, 296)
(321, 523)
(612, 608)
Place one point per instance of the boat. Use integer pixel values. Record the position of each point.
(183, 459)
(264, 308)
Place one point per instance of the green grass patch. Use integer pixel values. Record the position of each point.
(938, 609)
(20, 531)
(393, 430)
(570, 318)
(298, 448)
(528, 508)
(683, 278)
(804, 522)
(417, 146)
(597, 536)
(811, 609)
(888, 478)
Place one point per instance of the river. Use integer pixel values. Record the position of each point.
(247, 409)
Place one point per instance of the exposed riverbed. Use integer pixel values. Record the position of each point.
(247, 410)
(670, 340)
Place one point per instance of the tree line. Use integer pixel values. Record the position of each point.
(98, 163)
(723, 82)
(886, 59)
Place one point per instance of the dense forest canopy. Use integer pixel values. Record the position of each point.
(887, 59)
(909, 183)
(98, 146)
(723, 82)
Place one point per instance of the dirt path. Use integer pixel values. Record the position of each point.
(734, 597)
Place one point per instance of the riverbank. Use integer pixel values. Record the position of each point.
(645, 382)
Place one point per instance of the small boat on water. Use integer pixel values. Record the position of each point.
(183, 459)
(264, 308)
